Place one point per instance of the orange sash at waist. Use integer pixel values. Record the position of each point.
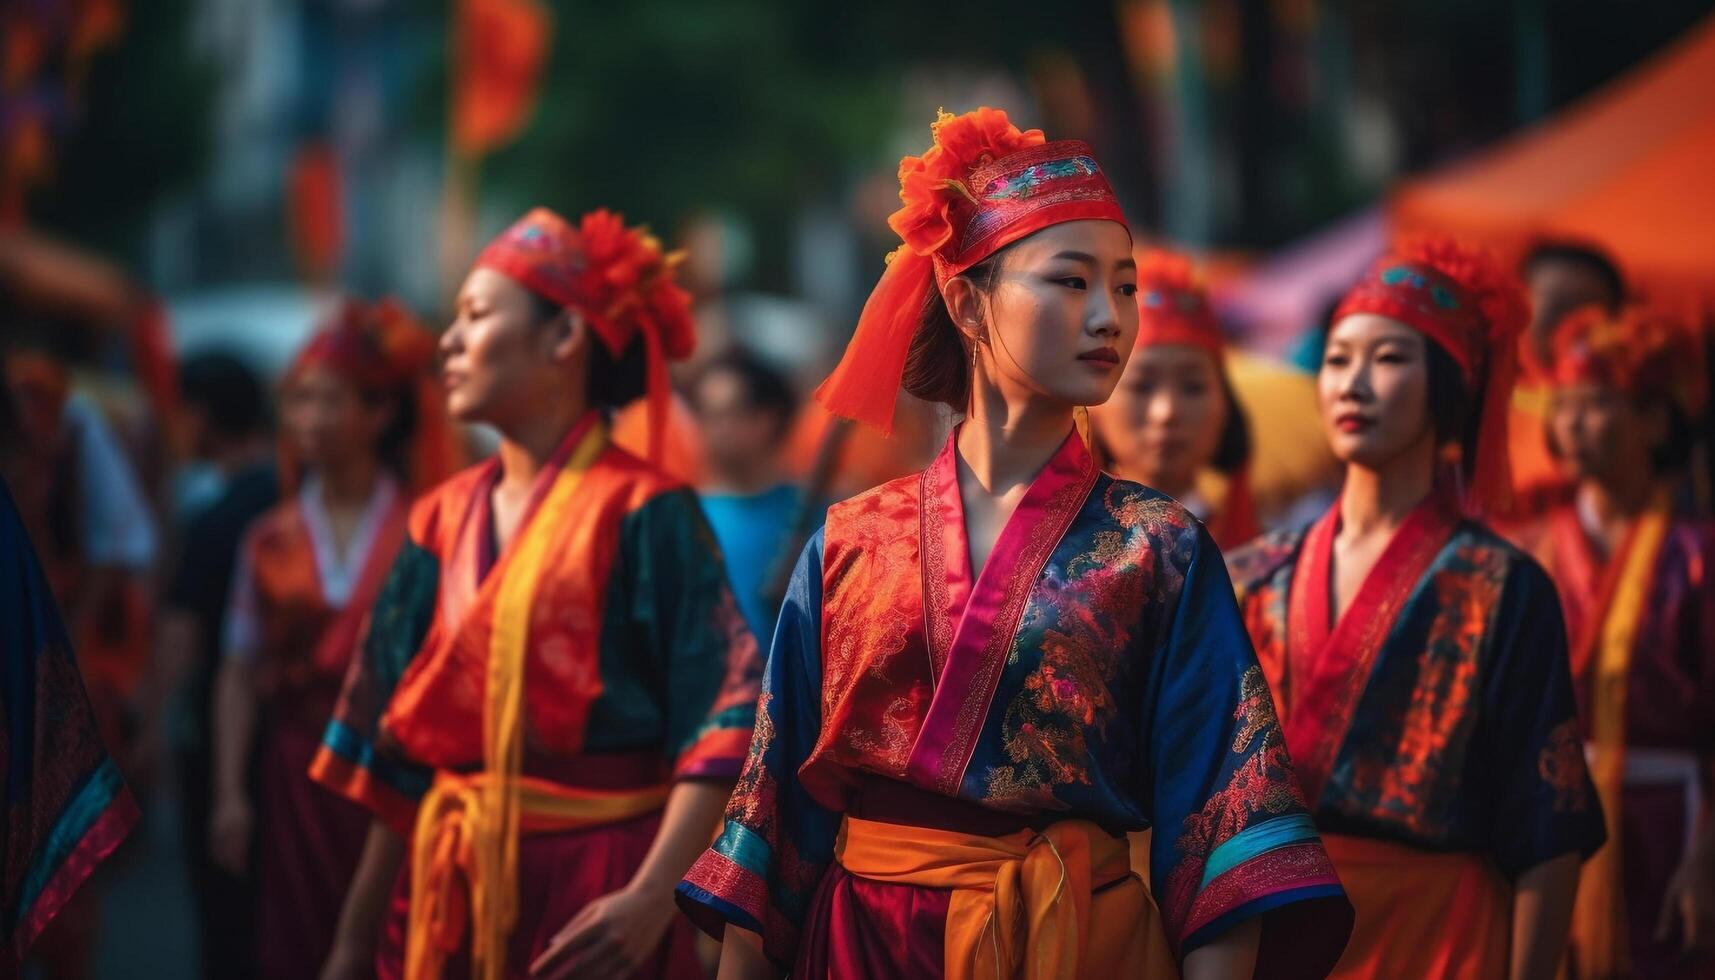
(454, 878)
(1023, 905)
(1422, 913)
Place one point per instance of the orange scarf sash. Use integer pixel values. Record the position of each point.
(1023, 905)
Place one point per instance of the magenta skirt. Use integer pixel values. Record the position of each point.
(558, 874)
(308, 844)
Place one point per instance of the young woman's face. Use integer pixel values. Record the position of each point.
(327, 420)
(1374, 390)
(1601, 432)
(497, 358)
(1165, 419)
(1061, 317)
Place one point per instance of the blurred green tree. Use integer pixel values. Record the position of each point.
(140, 130)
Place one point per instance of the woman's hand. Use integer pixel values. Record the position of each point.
(1690, 901)
(611, 937)
(229, 831)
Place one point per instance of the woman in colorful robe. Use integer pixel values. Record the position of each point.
(1418, 660)
(557, 687)
(66, 806)
(965, 711)
(307, 574)
(1634, 576)
(1174, 417)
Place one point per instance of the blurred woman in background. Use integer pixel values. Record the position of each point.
(307, 574)
(1418, 661)
(1174, 417)
(1632, 565)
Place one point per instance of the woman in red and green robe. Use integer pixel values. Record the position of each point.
(557, 685)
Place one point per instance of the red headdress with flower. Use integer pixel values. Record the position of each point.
(1172, 306)
(983, 185)
(1470, 307)
(618, 278)
(1637, 351)
(383, 349)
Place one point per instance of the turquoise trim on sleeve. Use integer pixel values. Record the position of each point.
(342, 740)
(92, 800)
(1294, 828)
(745, 848)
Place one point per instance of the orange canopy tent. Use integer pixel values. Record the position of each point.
(1628, 167)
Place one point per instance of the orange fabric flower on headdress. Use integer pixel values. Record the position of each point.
(930, 185)
(1638, 351)
(983, 185)
(619, 278)
(1470, 307)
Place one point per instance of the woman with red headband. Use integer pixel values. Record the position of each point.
(1634, 577)
(557, 687)
(307, 574)
(988, 672)
(1173, 415)
(1419, 661)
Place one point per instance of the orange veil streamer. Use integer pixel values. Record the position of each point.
(858, 389)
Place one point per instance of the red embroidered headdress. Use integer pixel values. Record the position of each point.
(1173, 307)
(1469, 307)
(619, 279)
(1637, 351)
(381, 348)
(983, 185)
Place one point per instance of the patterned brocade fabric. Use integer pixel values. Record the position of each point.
(66, 807)
(1455, 729)
(1096, 669)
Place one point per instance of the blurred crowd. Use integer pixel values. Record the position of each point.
(149, 503)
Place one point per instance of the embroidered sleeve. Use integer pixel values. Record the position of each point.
(1544, 802)
(1232, 838)
(354, 760)
(695, 631)
(761, 872)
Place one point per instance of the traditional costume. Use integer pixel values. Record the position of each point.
(297, 609)
(522, 713)
(1433, 723)
(945, 764)
(1642, 626)
(66, 806)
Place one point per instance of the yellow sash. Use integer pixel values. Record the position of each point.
(452, 822)
(487, 810)
(1022, 905)
(1599, 916)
